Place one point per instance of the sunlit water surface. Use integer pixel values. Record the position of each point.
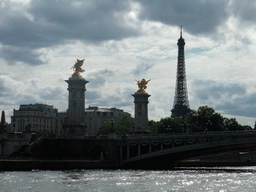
(242, 179)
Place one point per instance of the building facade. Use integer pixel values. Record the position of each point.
(37, 118)
(95, 116)
(46, 119)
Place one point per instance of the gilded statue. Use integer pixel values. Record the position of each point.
(77, 68)
(142, 85)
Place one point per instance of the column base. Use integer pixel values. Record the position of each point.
(75, 131)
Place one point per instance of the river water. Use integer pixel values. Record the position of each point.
(217, 179)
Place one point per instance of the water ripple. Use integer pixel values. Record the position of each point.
(128, 180)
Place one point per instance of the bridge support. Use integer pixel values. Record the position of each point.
(141, 113)
(75, 127)
(128, 151)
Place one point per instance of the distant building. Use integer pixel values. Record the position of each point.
(4, 127)
(3, 124)
(38, 118)
(46, 119)
(95, 116)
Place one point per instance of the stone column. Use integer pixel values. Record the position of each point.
(76, 107)
(141, 112)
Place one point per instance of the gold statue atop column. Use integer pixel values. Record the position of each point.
(77, 68)
(142, 85)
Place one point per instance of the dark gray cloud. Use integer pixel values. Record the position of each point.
(4, 89)
(216, 92)
(142, 68)
(114, 101)
(99, 78)
(14, 55)
(44, 24)
(117, 99)
(92, 96)
(85, 20)
(241, 106)
(5, 103)
(245, 10)
(25, 99)
(24, 30)
(196, 16)
(121, 98)
(238, 109)
(232, 99)
(50, 93)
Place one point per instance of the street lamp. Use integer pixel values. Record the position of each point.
(112, 125)
(168, 129)
(185, 127)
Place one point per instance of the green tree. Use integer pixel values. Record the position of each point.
(231, 124)
(193, 124)
(153, 126)
(105, 128)
(206, 118)
(119, 127)
(170, 124)
(123, 125)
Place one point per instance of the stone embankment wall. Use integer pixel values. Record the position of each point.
(10, 143)
(90, 149)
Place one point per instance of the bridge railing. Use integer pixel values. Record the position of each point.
(193, 133)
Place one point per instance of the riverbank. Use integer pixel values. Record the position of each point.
(71, 164)
(214, 164)
(49, 164)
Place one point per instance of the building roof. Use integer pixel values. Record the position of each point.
(97, 109)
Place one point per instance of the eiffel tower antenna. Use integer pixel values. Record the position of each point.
(181, 31)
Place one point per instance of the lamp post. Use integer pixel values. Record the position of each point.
(185, 127)
(104, 125)
(208, 126)
(112, 125)
(133, 128)
(168, 129)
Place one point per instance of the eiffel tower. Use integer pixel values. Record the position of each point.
(181, 107)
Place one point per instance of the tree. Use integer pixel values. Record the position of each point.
(206, 118)
(153, 126)
(232, 124)
(123, 125)
(193, 124)
(169, 125)
(202, 119)
(119, 127)
(105, 128)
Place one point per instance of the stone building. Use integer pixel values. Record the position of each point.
(46, 119)
(38, 118)
(95, 116)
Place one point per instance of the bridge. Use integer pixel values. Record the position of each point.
(163, 151)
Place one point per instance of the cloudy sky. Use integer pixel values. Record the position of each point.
(126, 40)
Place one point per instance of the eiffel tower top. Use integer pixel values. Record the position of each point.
(181, 41)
